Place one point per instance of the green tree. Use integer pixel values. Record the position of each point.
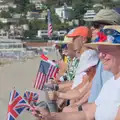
(22, 5)
(12, 10)
(34, 26)
(30, 7)
(107, 3)
(55, 19)
(23, 20)
(5, 14)
(1, 25)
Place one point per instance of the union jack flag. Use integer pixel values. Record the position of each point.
(45, 72)
(50, 28)
(16, 105)
(31, 97)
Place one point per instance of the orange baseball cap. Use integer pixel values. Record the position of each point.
(80, 31)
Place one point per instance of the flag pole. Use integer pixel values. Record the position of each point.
(50, 27)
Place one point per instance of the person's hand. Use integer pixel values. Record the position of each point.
(52, 95)
(39, 112)
(60, 103)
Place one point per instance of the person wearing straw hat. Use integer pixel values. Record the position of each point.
(102, 18)
(107, 104)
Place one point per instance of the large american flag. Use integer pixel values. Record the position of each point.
(30, 97)
(45, 72)
(16, 105)
(50, 28)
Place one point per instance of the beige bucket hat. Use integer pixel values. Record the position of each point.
(109, 16)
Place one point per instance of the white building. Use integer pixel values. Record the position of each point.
(36, 15)
(37, 1)
(3, 7)
(11, 4)
(3, 33)
(89, 15)
(44, 33)
(63, 12)
(9, 20)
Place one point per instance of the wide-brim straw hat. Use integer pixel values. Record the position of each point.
(109, 35)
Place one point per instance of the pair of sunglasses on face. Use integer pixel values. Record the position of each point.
(98, 25)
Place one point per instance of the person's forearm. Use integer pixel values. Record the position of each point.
(65, 85)
(67, 116)
(83, 99)
(74, 94)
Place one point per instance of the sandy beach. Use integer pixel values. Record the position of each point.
(21, 76)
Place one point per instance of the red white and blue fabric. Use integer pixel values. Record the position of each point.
(47, 70)
(108, 35)
(16, 105)
(50, 28)
(31, 97)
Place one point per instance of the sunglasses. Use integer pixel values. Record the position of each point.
(98, 25)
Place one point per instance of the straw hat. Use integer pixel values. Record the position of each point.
(109, 35)
(67, 39)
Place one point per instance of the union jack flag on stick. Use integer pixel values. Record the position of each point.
(31, 97)
(50, 28)
(47, 70)
(16, 105)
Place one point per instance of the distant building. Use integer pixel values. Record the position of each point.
(5, 6)
(44, 33)
(37, 1)
(9, 20)
(89, 15)
(63, 12)
(11, 4)
(16, 16)
(36, 15)
(3, 33)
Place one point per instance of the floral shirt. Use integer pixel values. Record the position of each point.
(72, 65)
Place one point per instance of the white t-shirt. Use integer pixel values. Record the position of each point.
(108, 100)
(78, 80)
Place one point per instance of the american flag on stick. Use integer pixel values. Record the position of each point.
(47, 70)
(50, 28)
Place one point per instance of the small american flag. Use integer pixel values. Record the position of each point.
(45, 72)
(16, 105)
(31, 96)
(50, 28)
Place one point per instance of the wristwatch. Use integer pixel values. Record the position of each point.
(80, 108)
